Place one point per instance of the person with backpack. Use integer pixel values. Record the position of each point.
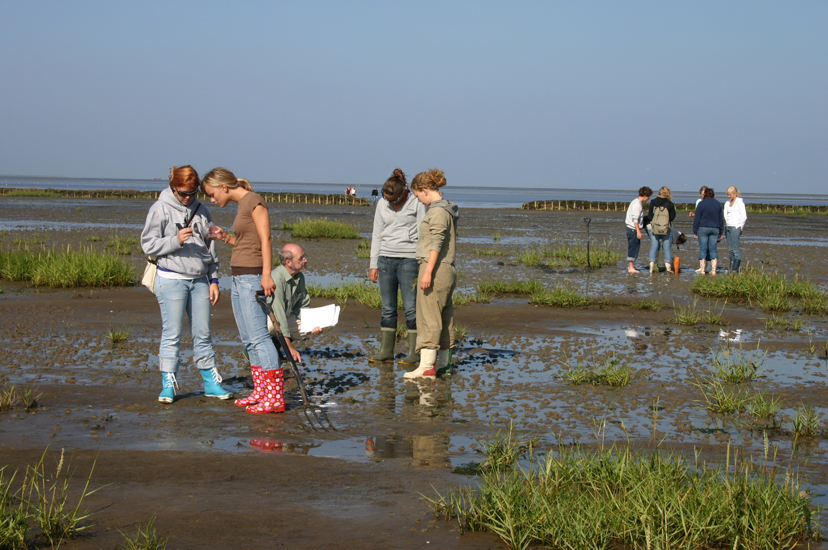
(659, 224)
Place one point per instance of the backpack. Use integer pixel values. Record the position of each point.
(661, 221)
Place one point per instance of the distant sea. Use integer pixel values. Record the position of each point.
(469, 197)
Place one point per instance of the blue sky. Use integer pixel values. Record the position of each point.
(607, 95)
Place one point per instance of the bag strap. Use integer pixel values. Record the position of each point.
(193, 216)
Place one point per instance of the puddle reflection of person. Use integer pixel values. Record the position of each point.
(437, 274)
(250, 266)
(176, 231)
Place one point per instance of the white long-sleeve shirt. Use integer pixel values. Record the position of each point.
(736, 215)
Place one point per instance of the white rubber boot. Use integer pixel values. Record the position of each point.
(702, 266)
(428, 357)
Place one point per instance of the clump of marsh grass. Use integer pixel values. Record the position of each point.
(363, 249)
(12, 396)
(34, 238)
(121, 245)
(773, 321)
(460, 332)
(764, 406)
(362, 293)
(806, 422)
(32, 193)
(93, 239)
(567, 255)
(498, 288)
(633, 498)
(723, 399)
(609, 370)
(67, 268)
(692, 314)
(491, 251)
(117, 335)
(42, 501)
(771, 291)
(144, 538)
(647, 305)
(561, 296)
(736, 366)
(321, 228)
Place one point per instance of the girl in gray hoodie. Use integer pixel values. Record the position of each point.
(176, 231)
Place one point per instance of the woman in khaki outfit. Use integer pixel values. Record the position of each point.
(437, 274)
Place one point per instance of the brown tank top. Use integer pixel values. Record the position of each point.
(247, 252)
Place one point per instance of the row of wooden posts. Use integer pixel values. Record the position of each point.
(313, 198)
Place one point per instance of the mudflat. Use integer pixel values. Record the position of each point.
(217, 477)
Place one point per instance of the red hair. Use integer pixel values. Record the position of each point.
(183, 177)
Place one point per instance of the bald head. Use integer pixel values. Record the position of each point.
(293, 258)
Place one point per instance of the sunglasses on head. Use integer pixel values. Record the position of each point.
(183, 194)
(394, 200)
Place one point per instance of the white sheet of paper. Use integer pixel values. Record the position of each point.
(312, 317)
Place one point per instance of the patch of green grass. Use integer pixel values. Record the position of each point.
(647, 305)
(67, 268)
(12, 396)
(121, 245)
(460, 332)
(322, 228)
(34, 238)
(144, 538)
(93, 239)
(498, 288)
(493, 251)
(606, 371)
(771, 291)
(764, 406)
(806, 422)
(567, 255)
(561, 296)
(626, 497)
(735, 366)
(363, 249)
(722, 399)
(117, 335)
(692, 315)
(773, 321)
(362, 293)
(496, 236)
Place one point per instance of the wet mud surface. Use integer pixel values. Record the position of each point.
(218, 477)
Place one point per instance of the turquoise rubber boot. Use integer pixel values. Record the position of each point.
(169, 385)
(212, 379)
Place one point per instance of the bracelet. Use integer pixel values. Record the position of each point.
(213, 281)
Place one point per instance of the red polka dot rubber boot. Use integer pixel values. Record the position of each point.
(273, 398)
(257, 394)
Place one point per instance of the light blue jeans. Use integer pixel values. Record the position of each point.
(733, 234)
(661, 241)
(252, 322)
(708, 239)
(397, 273)
(177, 297)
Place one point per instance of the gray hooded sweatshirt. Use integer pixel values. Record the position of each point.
(197, 257)
(395, 233)
(438, 231)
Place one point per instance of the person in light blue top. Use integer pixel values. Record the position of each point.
(176, 231)
(394, 263)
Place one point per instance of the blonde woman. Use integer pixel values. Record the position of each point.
(437, 275)
(735, 217)
(250, 266)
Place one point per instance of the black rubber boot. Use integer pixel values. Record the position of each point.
(386, 351)
(413, 358)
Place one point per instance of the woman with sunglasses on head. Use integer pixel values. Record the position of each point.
(187, 280)
(250, 265)
(394, 263)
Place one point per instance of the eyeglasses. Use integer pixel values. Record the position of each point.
(183, 194)
(392, 200)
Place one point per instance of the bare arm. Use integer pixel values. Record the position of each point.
(261, 219)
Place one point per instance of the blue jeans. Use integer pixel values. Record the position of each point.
(397, 273)
(661, 241)
(733, 235)
(252, 322)
(633, 245)
(708, 239)
(177, 297)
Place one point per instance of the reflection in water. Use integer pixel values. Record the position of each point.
(427, 450)
(273, 445)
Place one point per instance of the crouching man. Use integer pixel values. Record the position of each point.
(290, 295)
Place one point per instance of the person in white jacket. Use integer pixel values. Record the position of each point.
(735, 217)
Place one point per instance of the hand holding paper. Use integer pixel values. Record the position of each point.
(318, 317)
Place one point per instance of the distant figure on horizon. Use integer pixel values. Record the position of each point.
(634, 221)
(708, 226)
(374, 195)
